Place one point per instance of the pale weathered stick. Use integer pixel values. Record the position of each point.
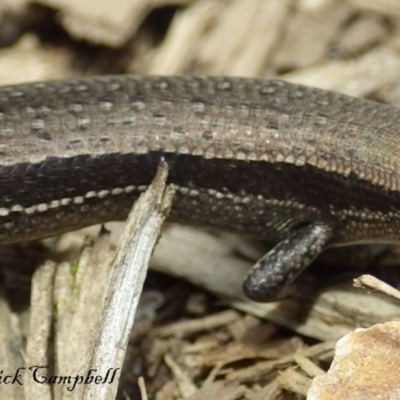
(129, 271)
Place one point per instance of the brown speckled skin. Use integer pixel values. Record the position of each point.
(255, 156)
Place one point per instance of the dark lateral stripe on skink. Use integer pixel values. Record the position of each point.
(237, 185)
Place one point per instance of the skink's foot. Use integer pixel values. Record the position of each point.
(272, 276)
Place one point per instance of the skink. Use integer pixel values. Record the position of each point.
(303, 167)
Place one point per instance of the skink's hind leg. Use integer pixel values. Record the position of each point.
(273, 275)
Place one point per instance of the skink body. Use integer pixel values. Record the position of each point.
(303, 167)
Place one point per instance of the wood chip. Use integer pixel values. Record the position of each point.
(101, 21)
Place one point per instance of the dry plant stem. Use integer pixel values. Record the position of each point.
(129, 271)
(142, 388)
(310, 368)
(369, 282)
